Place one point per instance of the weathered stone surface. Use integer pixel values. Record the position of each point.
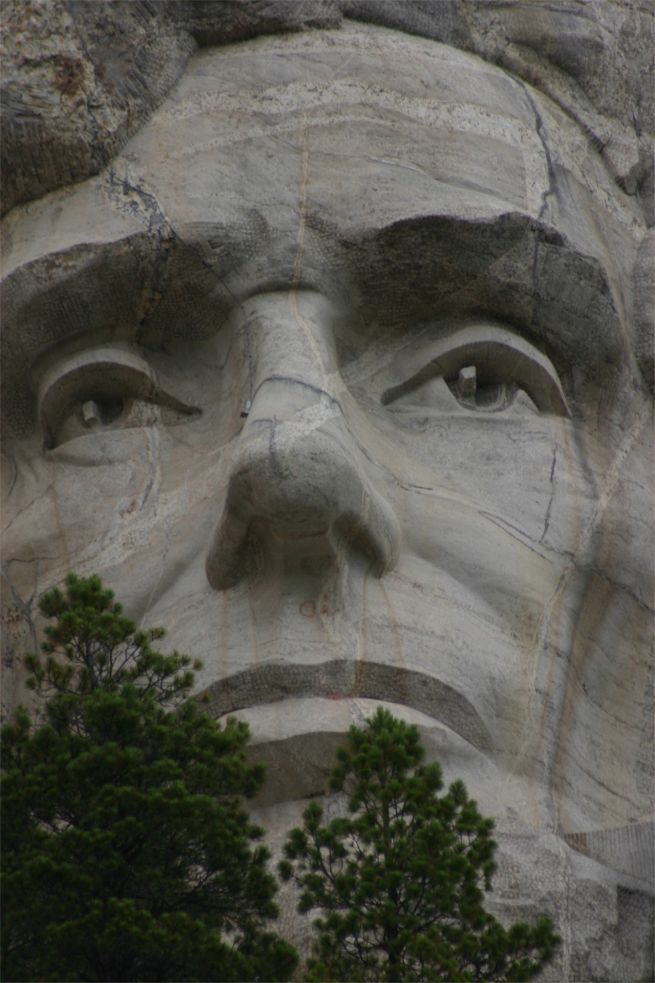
(238, 385)
(80, 77)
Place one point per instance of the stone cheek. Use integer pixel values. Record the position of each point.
(330, 373)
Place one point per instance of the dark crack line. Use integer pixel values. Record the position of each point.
(151, 207)
(148, 207)
(167, 237)
(275, 377)
(15, 518)
(506, 526)
(552, 496)
(550, 191)
(11, 462)
(617, 585)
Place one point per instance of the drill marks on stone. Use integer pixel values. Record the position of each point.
(56, 508)
(246, 356)
(300, 255)
(628, 848)
(330, 604)
(302, 210)
(565, 886)
(394, 625)
(300, 243)
(361, 655)
(223, 635)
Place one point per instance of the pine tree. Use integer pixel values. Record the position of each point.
(400, 880)
(127, 853)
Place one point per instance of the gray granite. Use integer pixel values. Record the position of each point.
(327, 343)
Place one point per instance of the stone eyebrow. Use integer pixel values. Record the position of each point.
(88, 287)
(510, 268)
(525, 271)
(123, 290)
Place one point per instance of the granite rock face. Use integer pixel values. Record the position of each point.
(81, 76)
(335, 361)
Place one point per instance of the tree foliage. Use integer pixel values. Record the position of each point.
(127, 853)
(400, 880)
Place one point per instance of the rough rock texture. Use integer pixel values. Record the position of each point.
(80, 76)
(339, 368)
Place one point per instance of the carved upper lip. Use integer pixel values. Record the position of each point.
(347, 678)
(283, 490)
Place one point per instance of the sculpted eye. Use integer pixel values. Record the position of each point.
(484, 368)
(106, 389)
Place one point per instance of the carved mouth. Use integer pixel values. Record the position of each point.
(274, 682)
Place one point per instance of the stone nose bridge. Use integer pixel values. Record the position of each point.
(297, 480)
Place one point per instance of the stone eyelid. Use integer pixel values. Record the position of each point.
(489, 355)
(91, 378)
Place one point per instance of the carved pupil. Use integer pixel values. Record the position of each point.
(102, 411)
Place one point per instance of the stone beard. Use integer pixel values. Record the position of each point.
(331, 372)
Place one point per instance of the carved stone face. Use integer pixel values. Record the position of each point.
(331, 374)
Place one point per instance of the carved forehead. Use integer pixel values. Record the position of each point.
(105, 66)
(340, 99)
(364, 89)
(241, 118)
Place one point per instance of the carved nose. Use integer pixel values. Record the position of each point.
(297, 476)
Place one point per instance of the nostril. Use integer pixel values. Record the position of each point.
(283, 494)
(375, 544)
